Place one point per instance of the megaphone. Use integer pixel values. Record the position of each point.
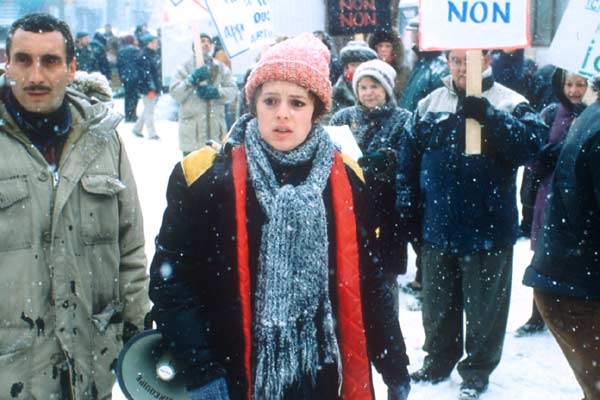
(147, 371)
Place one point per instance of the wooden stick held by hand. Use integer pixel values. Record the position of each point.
(473, 128)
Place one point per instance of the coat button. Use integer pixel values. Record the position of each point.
(46, 237)
(43, 176)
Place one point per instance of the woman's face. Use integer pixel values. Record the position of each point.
(371, 93)
(284, 112)
(575, 87)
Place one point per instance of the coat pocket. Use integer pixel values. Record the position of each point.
(16, 225)
(100, 208)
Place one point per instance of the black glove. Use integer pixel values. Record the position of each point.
(198, 75)
(379, 164)
(207, 92)
(214, 390)
(476, 108)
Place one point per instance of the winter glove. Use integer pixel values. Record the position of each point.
(214, 390)
(399, 392)
(151, 94)
(198, 75)
(476, 108)
(207, 92)
(548, 155)
(379, 165)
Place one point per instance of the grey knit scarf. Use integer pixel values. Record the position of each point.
(292, 289)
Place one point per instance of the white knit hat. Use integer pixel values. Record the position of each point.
(379, 70)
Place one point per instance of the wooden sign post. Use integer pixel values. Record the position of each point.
(473, 128)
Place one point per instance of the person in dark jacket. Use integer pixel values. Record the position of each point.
(252, 300)
(98, 54)
(465, 208)
(570, 89)
(128, 65)
(352, 55)
(377, 124)
(83, 53)
(565, 270)
(150, 84)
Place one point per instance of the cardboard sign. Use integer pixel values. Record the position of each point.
(242, 24)
(346, 17)
(576, 46)
(469, 24)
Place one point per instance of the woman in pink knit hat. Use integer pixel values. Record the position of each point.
(267, 282)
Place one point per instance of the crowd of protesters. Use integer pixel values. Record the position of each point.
(255, 301)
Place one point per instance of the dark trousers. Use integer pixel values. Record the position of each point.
(575, 324)
(131, 102)
(478, 285)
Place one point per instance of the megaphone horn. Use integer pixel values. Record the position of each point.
(147, 371)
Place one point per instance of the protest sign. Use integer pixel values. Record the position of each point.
(482, 24)
(346, 17)
(178, 20)
(576, 45)
(473, 25)
(242, 24)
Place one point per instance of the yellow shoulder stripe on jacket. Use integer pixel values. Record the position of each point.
(349, 161)
(196, 163)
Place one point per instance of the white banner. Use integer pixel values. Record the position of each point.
(482, 24)
(576, 45)
(242, 24)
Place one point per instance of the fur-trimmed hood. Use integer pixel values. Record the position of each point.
(94, 85)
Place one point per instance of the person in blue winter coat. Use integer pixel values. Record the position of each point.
(377, 124)
(128, 66)
(565, 270)
(464, 207)
(149, 84)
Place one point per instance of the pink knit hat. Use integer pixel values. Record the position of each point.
(303, 60)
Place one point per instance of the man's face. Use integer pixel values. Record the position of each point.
(38, 71)
(206, 45)
(457, 63)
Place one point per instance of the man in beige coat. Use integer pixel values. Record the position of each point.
(202, 94)
(74, 280)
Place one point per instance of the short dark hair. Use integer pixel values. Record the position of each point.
(318, 113)
(206, 36)
(42, 22)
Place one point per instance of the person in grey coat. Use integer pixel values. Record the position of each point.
(202, 93)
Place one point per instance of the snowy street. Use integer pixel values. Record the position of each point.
(531, 368)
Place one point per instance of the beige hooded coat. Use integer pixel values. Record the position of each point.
(73, 268)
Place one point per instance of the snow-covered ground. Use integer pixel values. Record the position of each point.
(532, 368)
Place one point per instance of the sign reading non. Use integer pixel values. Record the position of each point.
(470, 24)
(576, 46)
(241, 24)
(346, 17)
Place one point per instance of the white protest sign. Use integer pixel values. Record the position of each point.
(242, 24)
(576, 45)
(482, 24)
